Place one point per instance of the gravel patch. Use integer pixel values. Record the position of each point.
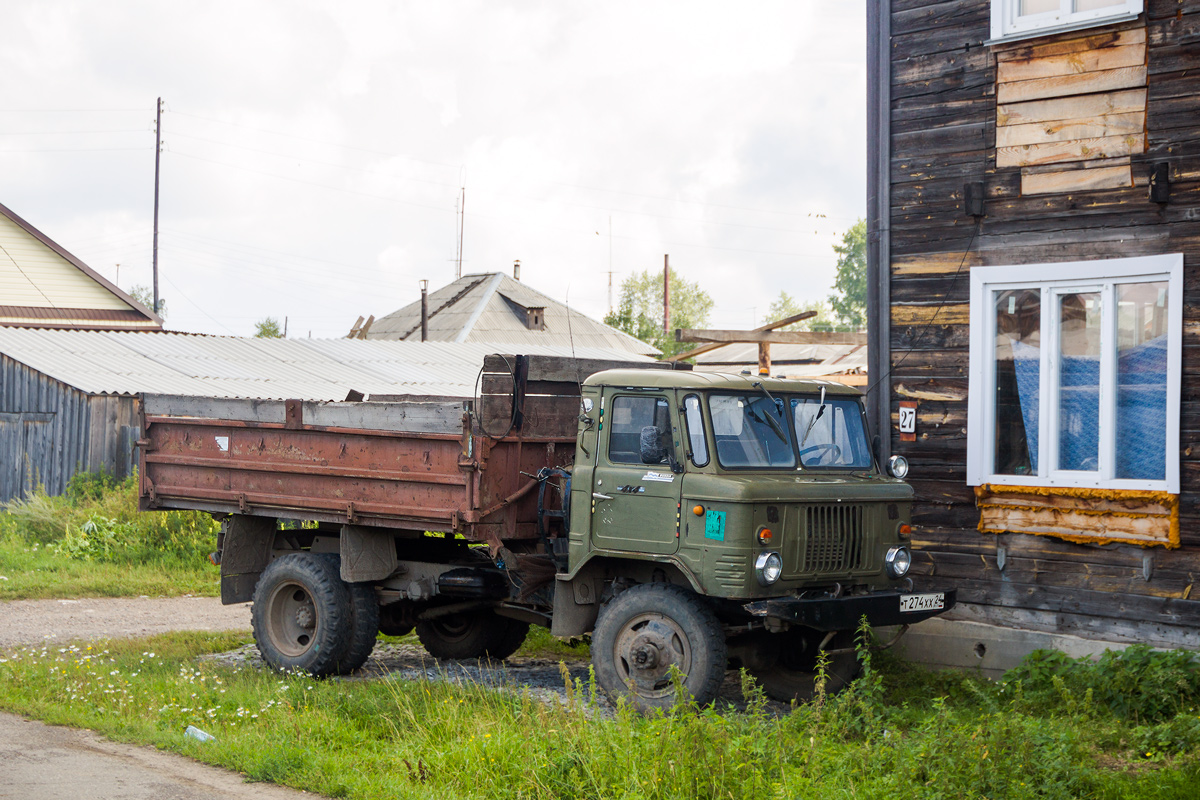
(543, 678)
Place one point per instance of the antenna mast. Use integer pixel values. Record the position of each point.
(462, 223)
(157, 158)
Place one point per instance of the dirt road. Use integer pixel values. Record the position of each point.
(32, 621)
(44, 762)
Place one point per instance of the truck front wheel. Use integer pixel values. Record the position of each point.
(645, 632)
(302, 616)
(792, 676)
(472, 634)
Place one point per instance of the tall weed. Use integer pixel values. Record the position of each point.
(97, 519)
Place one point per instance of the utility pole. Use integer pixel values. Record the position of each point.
(157, 159)
(610, 269)
(666, 295)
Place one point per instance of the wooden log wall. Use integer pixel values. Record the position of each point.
(1062, 132)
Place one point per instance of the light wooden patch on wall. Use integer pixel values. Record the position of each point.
(1075, 101)
(1098, 516)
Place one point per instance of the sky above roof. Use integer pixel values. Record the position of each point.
(315, 153)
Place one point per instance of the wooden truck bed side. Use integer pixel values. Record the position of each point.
(423, 466)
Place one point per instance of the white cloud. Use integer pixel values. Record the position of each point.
(316, 149)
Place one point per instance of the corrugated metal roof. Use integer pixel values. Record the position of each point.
(490, 308)
(120, 362)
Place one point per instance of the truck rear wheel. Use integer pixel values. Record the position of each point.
(793, 675)
(301, 615)
(364, 627)
(472, 634)
(648, 629)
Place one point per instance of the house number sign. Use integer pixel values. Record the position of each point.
(908, 420)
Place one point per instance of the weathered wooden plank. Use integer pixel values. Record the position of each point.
(780, 337)
(493, 383)
(1065, 85)
(941, 314)
(1075, 63)
(933, 263)
(944, 138)
(1077, 150)
(1069, 44)
(395, 417)
(1077, 180)
(1075, 107)
(1071, 129)
(544, 416)
(239, 410)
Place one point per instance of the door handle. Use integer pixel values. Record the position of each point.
(598, 496)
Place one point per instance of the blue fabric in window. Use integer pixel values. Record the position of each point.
(1079, 413)
(1027, 362)
(1142, 411)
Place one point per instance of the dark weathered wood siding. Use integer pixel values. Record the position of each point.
(943, 117)
(49, 431)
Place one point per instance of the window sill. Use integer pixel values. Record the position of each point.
(1067, 27)
(1086, 516)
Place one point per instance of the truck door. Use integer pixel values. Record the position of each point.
(635, 505)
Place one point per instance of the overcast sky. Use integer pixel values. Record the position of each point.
(314, 152)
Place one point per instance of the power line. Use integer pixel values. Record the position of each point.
(79, 150)
(310, 183)
(315, 141)
(65, 133)
(309, 160)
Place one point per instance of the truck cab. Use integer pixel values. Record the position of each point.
(760, 495)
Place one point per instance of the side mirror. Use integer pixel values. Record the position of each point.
(651, 445)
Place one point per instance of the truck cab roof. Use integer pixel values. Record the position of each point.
(729, 381)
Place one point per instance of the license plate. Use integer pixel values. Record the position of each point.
(922, 602)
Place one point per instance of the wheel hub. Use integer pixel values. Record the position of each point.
(646, 652)
(647, 648)
(306, 617)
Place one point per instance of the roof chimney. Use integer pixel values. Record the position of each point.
(517, 270)
(424, 310)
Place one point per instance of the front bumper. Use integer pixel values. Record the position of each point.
(844, 613)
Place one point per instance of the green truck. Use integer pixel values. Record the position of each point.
(688, 521)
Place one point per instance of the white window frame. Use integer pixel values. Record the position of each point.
(1009, 25)
(1054, 279)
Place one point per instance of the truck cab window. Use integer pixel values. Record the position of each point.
(694, 422)
(629, 416)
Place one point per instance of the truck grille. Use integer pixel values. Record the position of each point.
(835, 538)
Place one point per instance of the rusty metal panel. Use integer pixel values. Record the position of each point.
(467, 483)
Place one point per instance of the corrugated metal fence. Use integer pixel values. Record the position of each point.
(49, 431)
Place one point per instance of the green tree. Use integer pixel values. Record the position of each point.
(787, 306)
(268, 328)
(639, 312)
(849, 300)
(144, 296)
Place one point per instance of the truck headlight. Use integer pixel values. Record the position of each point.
(768, 567)
(898, 466)
(897, 561)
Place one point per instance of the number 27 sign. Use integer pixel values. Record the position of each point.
(908, 420)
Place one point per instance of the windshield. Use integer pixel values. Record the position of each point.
(751, 431)
(754, 430)
(833, 437)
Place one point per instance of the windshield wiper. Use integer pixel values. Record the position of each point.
(816, 417)
(770, 419)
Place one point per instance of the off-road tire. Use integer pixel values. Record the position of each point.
(395, 618)
(645, 630)
(472, 634)
(364, 627)
(301, 614)
(792, 676)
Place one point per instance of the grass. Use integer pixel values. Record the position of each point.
(898, 733)
(93, 542)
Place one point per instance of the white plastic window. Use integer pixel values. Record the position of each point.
(1019, 19)
(1075, 374)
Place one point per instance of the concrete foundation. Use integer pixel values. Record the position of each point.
(990, 650)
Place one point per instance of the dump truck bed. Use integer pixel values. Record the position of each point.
(437, 465)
